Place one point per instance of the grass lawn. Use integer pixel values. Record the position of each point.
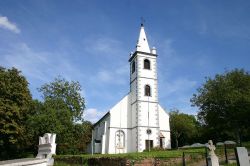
(74, 160)
(141, 155)
(152, 154)
(190, 152)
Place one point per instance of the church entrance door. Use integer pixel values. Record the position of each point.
(149, 143)
(162, 140)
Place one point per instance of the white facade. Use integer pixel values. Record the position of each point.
(137, 122)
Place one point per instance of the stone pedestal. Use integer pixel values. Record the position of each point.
(47, 147)
(213, 160)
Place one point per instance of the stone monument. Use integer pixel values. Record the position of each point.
(242, 156)
(212, 158)
(47, 147)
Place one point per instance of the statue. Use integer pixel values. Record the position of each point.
(47, 147)
(212, 158)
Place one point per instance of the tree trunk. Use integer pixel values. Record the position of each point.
(176, 143)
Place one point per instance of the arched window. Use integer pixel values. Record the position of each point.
(119, 139)
(147, 90)
(146, 64)
(133, 66)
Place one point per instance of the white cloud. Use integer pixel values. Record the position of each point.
(179, 85)
(92, 115)
(177, 93)
(104, 49)
(104, 76)
(118, 76)
(38, 65)
(106, 45)
(167, 48)
(6, 24)
(103, 46)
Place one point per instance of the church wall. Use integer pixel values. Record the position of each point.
(99, 134)
(119, 114)
(167, 142)
(149, 73)
(120, 120)
(147, 77)
(134, 115)
(144, 136)
(143, 125)
(133, 91)
(99, 130)
(112, 140)
(144, 109)
(133, 75)
(142, 82)
(145, 103)
(134, 123)
(133, 141)
(113, 144)
(164, 119)
(107, 135)
(164, 126)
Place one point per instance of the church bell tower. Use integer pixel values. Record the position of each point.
(144, 95)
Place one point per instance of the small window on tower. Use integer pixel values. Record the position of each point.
(146, 64)
(133, 67)
(147, 90)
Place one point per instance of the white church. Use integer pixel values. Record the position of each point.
(137, 122)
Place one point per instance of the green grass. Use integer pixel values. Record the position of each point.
(62, 160)
(246, 144)
(141, 155)
(153, 154)
(75, 160)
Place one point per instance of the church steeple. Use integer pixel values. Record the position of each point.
(142, 43)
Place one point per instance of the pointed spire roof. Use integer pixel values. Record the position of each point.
(142, 43)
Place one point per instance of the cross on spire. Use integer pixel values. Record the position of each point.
(142, 43)
(142, 21)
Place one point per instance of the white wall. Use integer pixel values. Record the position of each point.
(112, 141)
(152, 73)
(119, 114)
(143, 110)
(164, 126)
(101, 133)
(120, 120)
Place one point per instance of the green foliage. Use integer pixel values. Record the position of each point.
(23, 120)
(45, 119)
(62, 106)
(62, 94)
(76, 141)
(183, 127)
(224, 104)
(14, 102)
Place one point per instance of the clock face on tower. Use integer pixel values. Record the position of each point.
(149, 131)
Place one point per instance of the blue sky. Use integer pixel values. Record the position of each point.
(90, 42)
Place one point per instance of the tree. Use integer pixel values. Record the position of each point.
(15, 98)
(183, 126)
(224, 103)
(82, 134)
(62, 107)
(62, 94)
